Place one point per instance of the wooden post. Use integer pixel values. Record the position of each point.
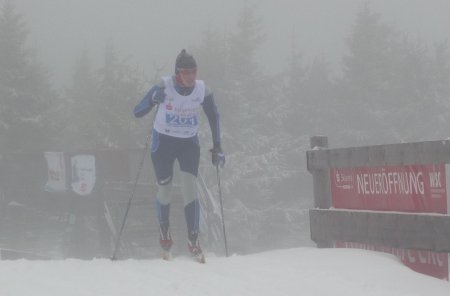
(321, 177)
(317, 142)
(321, 184)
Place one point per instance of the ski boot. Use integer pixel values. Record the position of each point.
(165, 241)
(194, 248)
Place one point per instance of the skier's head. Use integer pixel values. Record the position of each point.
(184, 61)
(185, 69)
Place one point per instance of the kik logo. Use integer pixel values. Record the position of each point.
(435, 179)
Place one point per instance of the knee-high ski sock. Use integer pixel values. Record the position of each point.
(192, 214)
(163, 199)
(163, 212)
(189, 188)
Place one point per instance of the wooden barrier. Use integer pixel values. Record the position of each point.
(398, 230)
(386, 195)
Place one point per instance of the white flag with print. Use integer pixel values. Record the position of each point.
(83, 174)
(56, 172)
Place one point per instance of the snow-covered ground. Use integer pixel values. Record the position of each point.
(301, 271)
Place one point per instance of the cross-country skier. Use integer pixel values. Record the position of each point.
(178, 99)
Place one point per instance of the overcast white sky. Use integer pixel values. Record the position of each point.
(153, 31)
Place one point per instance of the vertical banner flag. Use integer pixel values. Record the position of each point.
(83, 174)
(56, 172)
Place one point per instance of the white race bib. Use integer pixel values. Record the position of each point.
(179, 116)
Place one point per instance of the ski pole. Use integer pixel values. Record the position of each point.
(144, 154)
(221, 210)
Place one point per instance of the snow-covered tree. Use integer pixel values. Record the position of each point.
(389, 84)
(309, 96)
(211, 55)
(100, 100)
(255, 142)
(26, 99)
(120, 85)
(82, 100)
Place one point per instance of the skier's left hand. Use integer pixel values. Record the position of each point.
(217, 156)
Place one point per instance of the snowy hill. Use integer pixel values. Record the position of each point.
(301, 271)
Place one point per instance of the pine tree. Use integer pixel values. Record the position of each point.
(82, 98)
(428, 87)
(388, 78)
(252, 136)
(26, 98)
(371, 86)
(120, 85)
(99, 102)
(211, 56)
(306, 108)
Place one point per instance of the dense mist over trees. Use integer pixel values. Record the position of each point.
(392, 87)
(394, 83)
(26, 98)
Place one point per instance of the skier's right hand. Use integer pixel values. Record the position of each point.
(159, 96)
(217, 156)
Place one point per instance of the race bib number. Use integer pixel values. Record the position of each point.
(177, 120)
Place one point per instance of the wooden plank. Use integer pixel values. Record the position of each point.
(419, 231)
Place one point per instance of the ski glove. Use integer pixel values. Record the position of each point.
(159, 96)
(218, 158)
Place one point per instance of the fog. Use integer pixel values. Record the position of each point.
(71, 72)
(153, 32)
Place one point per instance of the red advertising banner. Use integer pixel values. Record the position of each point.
(410, 188)
(426, 262)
